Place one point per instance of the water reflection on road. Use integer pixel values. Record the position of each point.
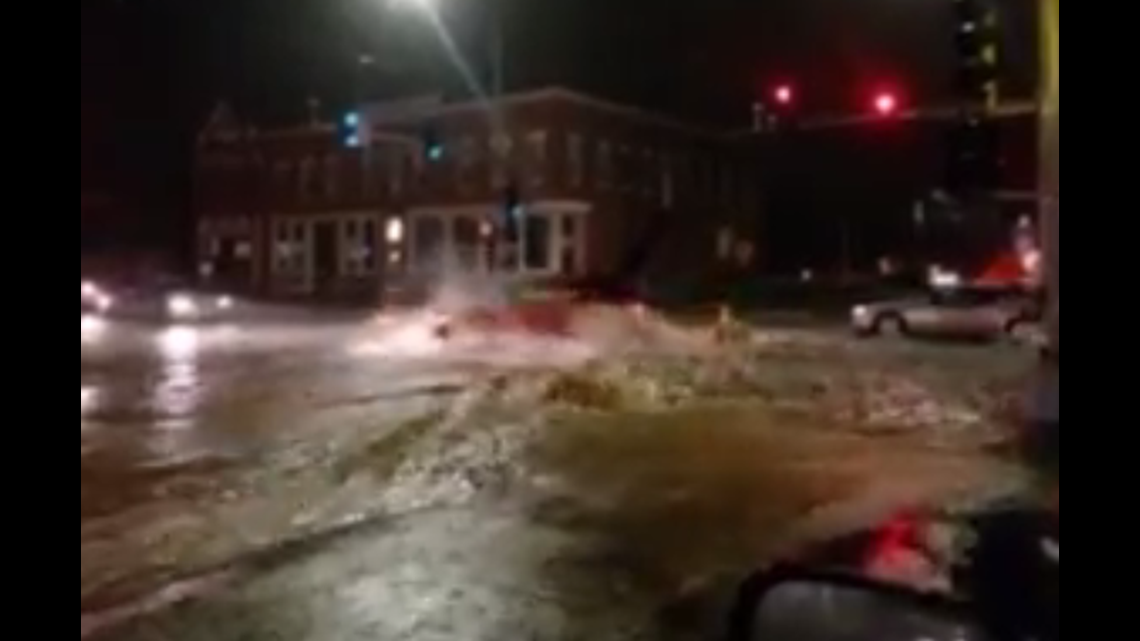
(159, 400)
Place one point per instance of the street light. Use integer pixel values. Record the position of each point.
(496, 39)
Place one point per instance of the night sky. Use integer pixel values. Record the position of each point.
(151, 69)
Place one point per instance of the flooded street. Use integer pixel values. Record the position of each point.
(160, 401)
(354, 478)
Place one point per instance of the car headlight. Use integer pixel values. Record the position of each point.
(181, 306)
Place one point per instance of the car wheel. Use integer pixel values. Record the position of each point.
(891, 325)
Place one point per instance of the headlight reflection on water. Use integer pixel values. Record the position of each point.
(91, 328)
(179, 344)
(178, 393)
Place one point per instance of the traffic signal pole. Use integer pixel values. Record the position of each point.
(1050, 11)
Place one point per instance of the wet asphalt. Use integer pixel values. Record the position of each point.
(158, 402)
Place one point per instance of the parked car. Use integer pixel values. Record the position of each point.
(961, 312)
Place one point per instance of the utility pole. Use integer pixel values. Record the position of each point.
(1050, 11)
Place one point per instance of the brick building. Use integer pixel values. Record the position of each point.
(602, 189)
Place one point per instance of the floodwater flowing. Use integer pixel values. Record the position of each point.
(493, 472)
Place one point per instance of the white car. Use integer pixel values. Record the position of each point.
(960, 312)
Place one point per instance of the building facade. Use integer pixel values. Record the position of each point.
(424, 189)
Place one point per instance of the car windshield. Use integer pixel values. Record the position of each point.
(498, 319)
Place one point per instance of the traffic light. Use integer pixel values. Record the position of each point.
(975, 166)
(350, 130)
(886, 104)
(978, 43)
(784, 95)
(434, 149)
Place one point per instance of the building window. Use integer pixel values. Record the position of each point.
(725, 243)
(306, 182)
(537, 141)
(502, 146)
(468, 159)
(537, 246)
(467, 243)
(331, 180)
(359, 247)
(289, 249)
(647, 173)
(397, 169)
(369, 245)
(570, 244)
(282, 171)
(576, 160)
(605, 164)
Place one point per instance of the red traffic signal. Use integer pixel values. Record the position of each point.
(785, 95)
(886, 104)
